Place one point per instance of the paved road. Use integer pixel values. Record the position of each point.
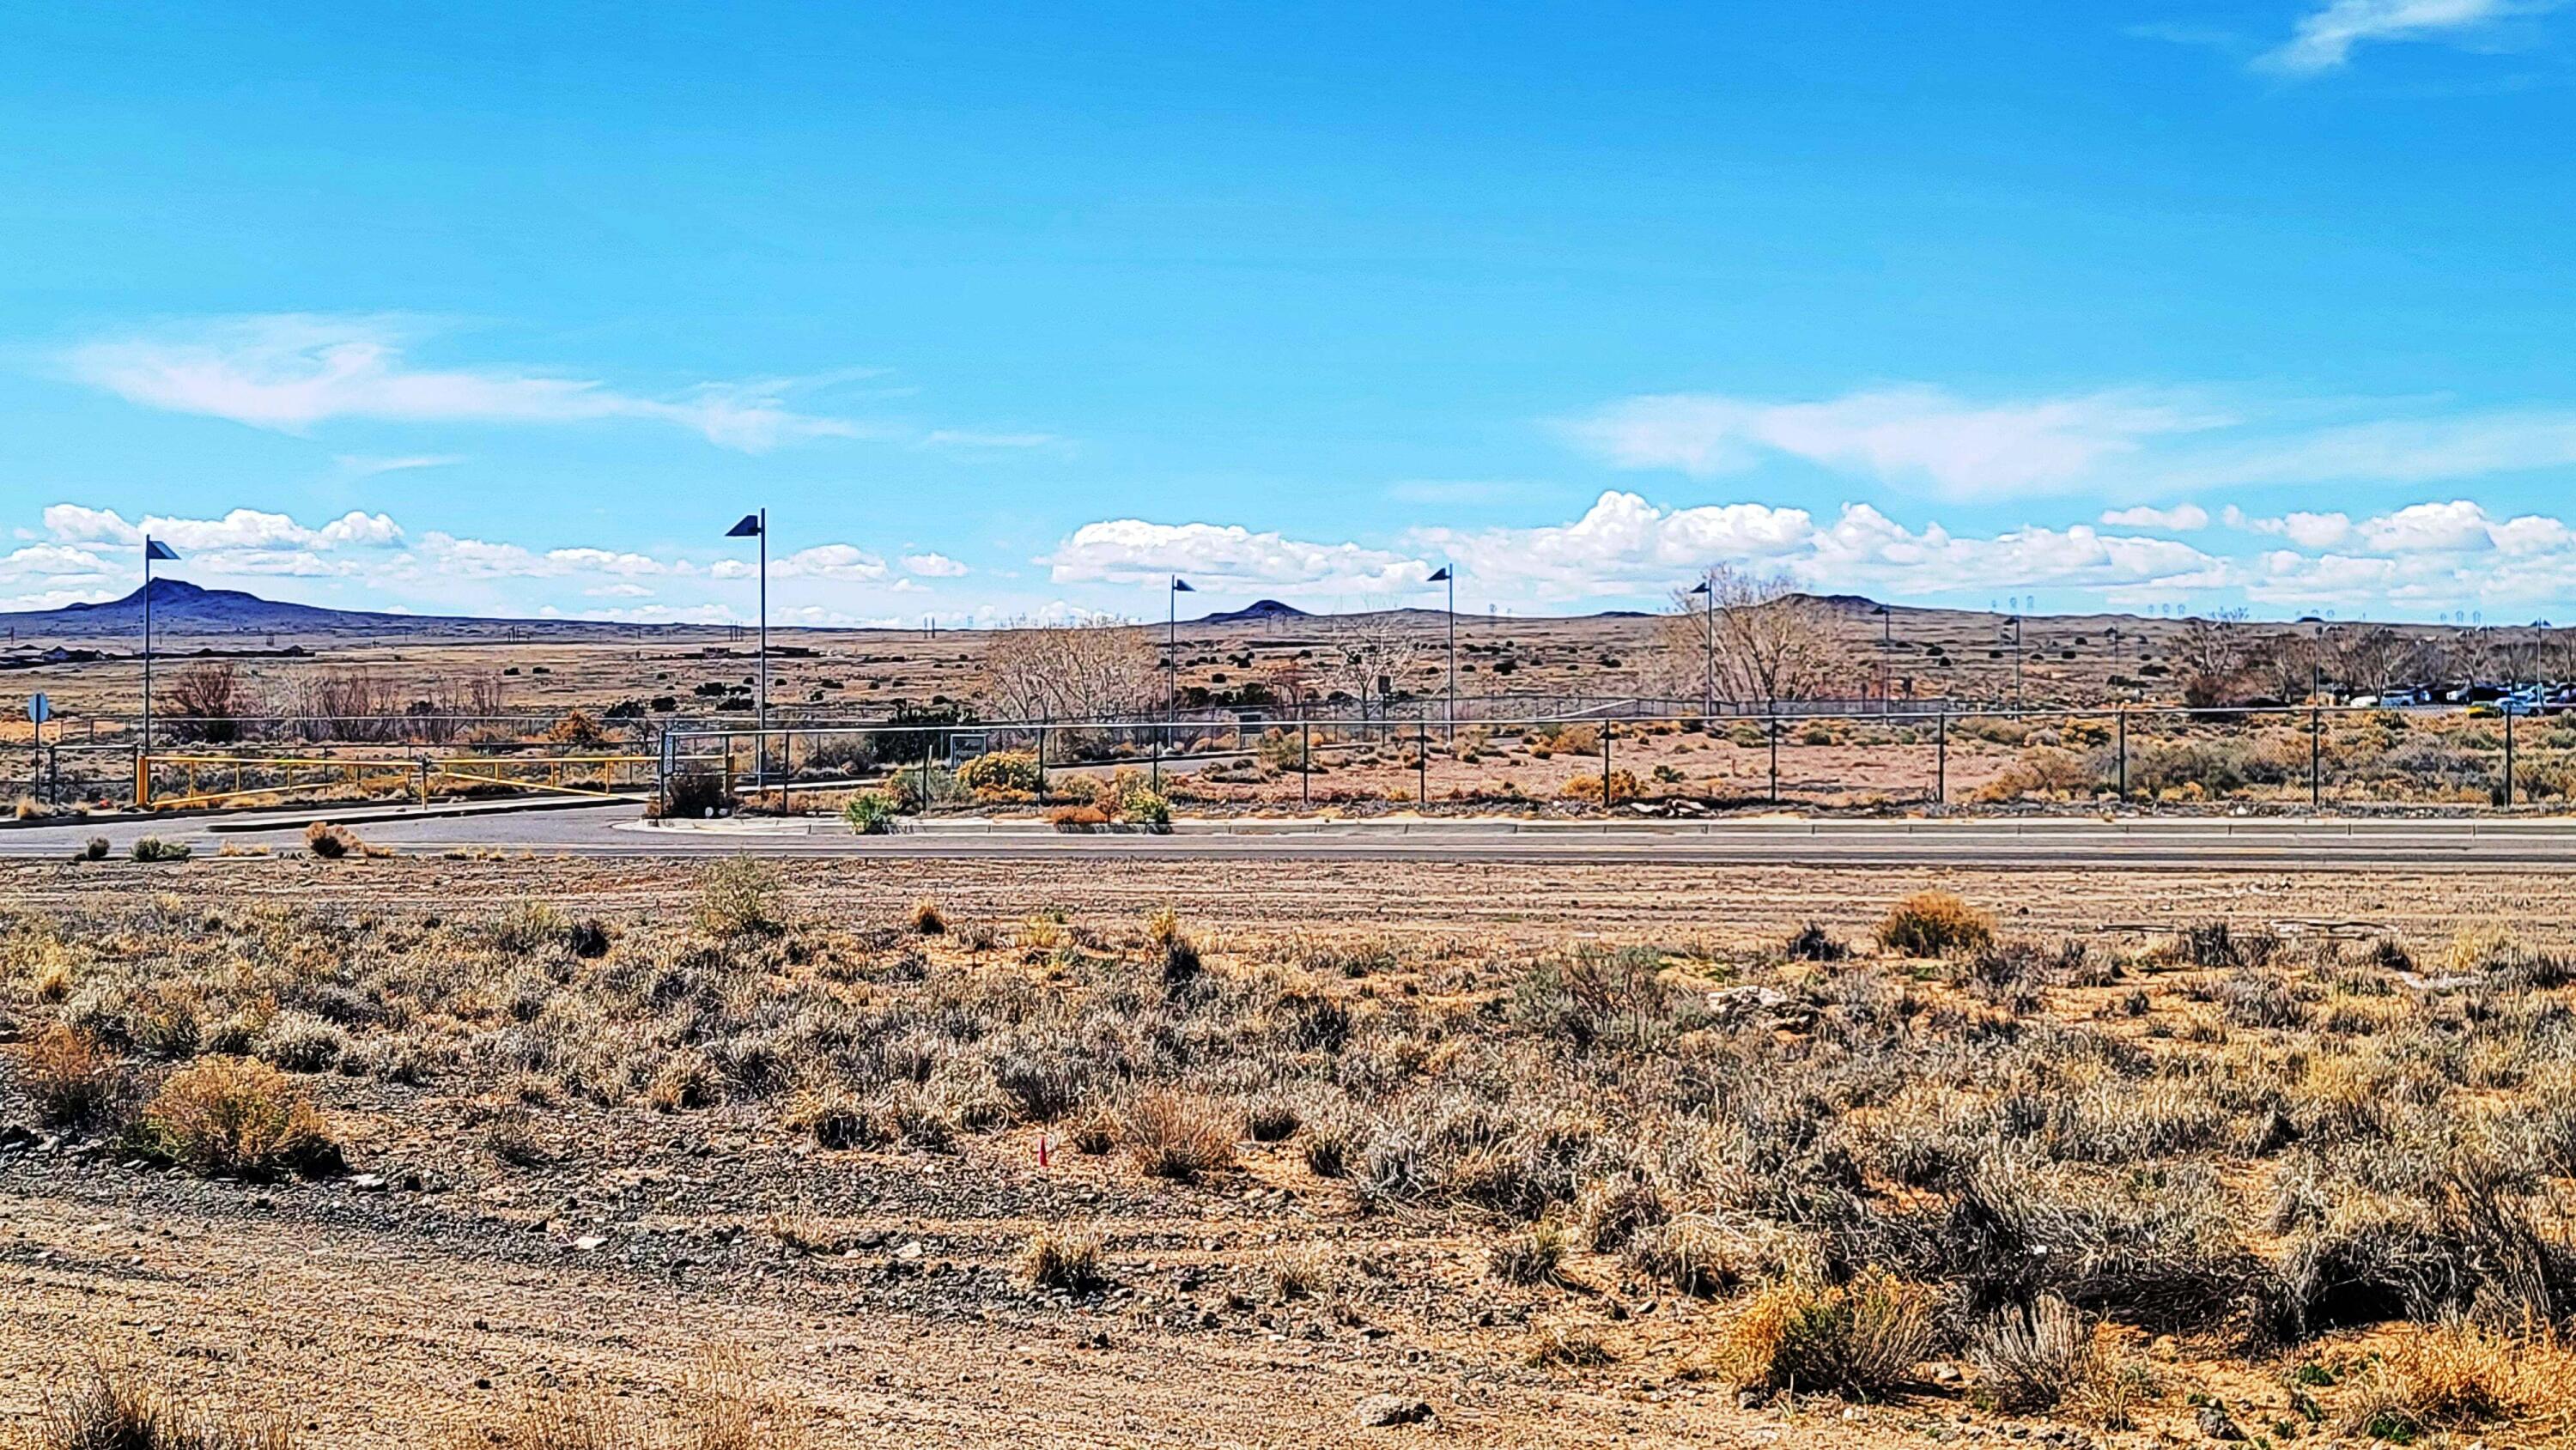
(614, 831)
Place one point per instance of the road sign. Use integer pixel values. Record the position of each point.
(39, 709)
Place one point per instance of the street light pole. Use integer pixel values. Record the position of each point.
(1708, 678)
(1446, 576)
(756, 526)
(1886, 643)
(152, 549)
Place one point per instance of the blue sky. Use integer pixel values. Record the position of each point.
(512, 309)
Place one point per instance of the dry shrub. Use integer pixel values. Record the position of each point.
(1180, 1138)
(1814, 944)
(1077, 818)
(684, 1081)
(330, 842)
(1612, 1210)
(1531, 1255)
(1303, 1271)
(2458, 1375)
(740, 897)
(1693, 1254)
(1063, 1257)
(927, 920)
(1272, 1120)
(1564, 1347)
(153, 849)
(1587, 787)
(1933, 924)
(69, 1077)
(1861, 1339)
(119, 1409)
(234, 1115)
(1093, 1131)
(2030, 1358)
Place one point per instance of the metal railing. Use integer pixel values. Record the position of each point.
(2121, 753)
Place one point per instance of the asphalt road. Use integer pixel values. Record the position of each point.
(2275, 843)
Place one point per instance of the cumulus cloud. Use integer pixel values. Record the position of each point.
(2180, 519)
(933, 566)
(2326, 37)
(241, 529)
(291, 372)
(1625, 543)
(1132, 551)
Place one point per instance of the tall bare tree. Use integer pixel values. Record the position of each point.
(207, 701)
(1105, 670)
(1370, 655)
(1774, 643)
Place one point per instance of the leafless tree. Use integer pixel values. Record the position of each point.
(1097, 671)
(2370, 659)
(1774, 643)
(2213, 655)
(1369, 655)
(207, 701)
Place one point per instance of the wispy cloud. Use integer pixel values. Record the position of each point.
(2326, 37)
(1910, 435)
(292, 372)
(2130, 442)
(360, 465)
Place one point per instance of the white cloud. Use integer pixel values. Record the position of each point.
(1624, 542)
(934, 566)
(239, 529)
(2180, 519)
(289, 372)
(1904, 435)
(830, 561)
(1132, 551)
(360, 465)
(2325, 38)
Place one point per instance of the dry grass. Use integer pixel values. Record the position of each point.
(117, 1408)
(1063, 1257)
(1861, 1339)
(2460, 1376)
(233, 1115)
(70, 1078)
(926, 919)
(330, 842)
(1172, 1135)
(1935, 924)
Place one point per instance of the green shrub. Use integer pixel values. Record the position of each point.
(1002, 773)
(153, 848)
(870, 812)
(1145, 808)
(1860, 1339)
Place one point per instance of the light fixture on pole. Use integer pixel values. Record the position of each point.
(1886, 645)
(756, 526)
(1450, 579)
(1172, 643)
(1708, 682)
(152, 549)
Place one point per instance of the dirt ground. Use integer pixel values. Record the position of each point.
(379, 1311)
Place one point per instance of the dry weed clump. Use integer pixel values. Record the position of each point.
(1533, 1254)
(238, 1116)
(1935, 924)
(2463, 1377)
(740, 897)
(1862, 1339)
(1169, 1135)
(1062, 1257)
(116, 1408)
(927, 919)
(330, 842)
(70, 1078)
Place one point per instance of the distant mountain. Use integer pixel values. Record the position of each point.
(1257, 612)
(181, 610)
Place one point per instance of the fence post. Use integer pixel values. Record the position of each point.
(2121, 714)
(2508, 754)
(1305, 759)
(1608, 728)
(1158, 757)
(926, 749)
(1941, 761)
(1421, 762)
(1773, 722)
(1042, 734)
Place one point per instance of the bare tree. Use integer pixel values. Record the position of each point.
(1774, 643)
(2214, 655)
(2370, 659)
(207, 702)
(1098, 671)
(1369, 656)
